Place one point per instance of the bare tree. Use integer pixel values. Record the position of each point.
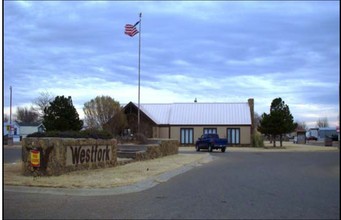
(322, 122)
(301, 125)
(42, 102)
(6, 118)
(27, 115)
(257, 119)
(103, 112)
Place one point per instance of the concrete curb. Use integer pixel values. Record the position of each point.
(136, 187)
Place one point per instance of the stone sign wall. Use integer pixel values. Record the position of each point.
(55, 156)
(162, 148)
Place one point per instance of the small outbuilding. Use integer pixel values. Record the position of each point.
(300, 137)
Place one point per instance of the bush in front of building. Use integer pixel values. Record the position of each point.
(140, 138)
(97, 134)
(257, 140)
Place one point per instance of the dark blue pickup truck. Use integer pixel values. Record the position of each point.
(210, 142)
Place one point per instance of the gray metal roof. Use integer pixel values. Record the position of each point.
(198, 113)
(159, 113)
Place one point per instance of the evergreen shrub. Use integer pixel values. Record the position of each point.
(89, 133)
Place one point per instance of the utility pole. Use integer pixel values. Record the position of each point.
(10, 108)
(10, 137)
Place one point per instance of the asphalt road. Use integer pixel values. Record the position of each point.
(11, 155)
(236, 185)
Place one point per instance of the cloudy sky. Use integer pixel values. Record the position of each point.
(213, 51)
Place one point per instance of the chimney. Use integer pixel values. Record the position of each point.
(252, 113)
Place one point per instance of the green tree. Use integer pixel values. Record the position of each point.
(266, 127)
(105, 113)
(278, 122)
(61, 115)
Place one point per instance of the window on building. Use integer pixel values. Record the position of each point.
(186, 135)
(210, 130)
(233, 135)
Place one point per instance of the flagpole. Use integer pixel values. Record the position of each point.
(138, 112)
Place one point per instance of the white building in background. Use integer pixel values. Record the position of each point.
(29, 128)
(321, 133)
(313, 132)
(19, 130)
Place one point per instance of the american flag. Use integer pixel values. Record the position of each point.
(131, 29)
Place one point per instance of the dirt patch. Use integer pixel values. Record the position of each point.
(104, 178)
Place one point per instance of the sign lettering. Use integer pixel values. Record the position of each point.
(87, 154)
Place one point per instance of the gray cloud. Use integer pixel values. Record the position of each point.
(215, 51)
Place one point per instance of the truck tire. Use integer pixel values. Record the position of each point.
(197, 148)
(210, 149)
(223, 149)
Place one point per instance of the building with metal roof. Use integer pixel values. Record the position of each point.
(188, 121)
